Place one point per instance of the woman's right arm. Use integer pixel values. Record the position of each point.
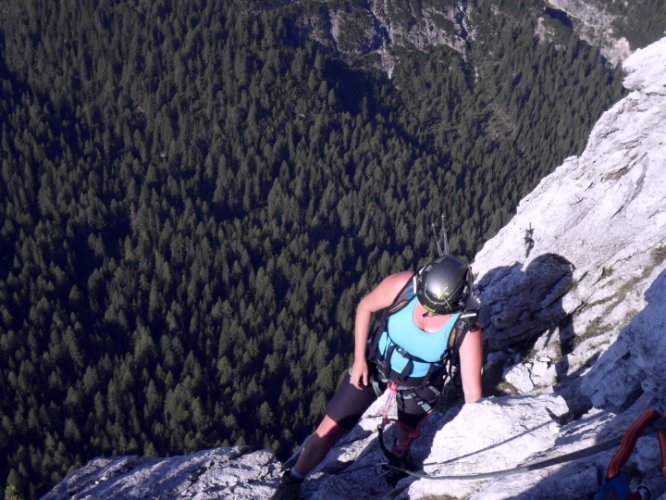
(379, 298)
(471, 365)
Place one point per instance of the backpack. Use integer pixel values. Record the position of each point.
(449, 363)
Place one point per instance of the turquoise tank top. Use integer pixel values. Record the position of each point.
(428, 346)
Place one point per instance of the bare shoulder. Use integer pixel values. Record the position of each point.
(383, 294)
(395, 282)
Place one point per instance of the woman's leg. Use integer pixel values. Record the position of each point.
(342, 414)
(318, 445)
(413, 406)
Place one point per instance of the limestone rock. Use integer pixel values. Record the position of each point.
(216, 473)
(599, 244)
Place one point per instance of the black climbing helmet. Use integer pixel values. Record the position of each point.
(444, 285)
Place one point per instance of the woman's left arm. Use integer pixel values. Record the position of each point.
(471, 363)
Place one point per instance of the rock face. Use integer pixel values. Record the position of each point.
(594, 25)
(573, 294)
(598, 231)
(229, 472)
(379, 25)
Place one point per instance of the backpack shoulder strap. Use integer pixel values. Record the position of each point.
(403, 297)
(467, 321)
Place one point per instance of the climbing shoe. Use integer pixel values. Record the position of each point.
(289, 488)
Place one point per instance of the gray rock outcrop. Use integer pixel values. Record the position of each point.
(594, 24)
(379, 26)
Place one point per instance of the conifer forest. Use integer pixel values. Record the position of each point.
(194, 196)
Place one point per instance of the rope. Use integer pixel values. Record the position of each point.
(542, 464)
(391, 397)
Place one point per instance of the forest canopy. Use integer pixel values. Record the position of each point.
(194, 196)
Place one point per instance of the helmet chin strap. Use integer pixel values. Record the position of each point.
(428, 312)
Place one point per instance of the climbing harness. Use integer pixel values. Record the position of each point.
(395, 389)
(395, 344)
(398, 453)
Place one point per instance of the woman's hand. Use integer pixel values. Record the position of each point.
(359, 374)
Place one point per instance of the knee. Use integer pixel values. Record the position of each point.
(329, 429)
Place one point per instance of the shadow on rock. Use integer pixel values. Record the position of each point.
(522, 314)
(624, 382)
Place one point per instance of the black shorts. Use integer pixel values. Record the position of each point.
(349, 403)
